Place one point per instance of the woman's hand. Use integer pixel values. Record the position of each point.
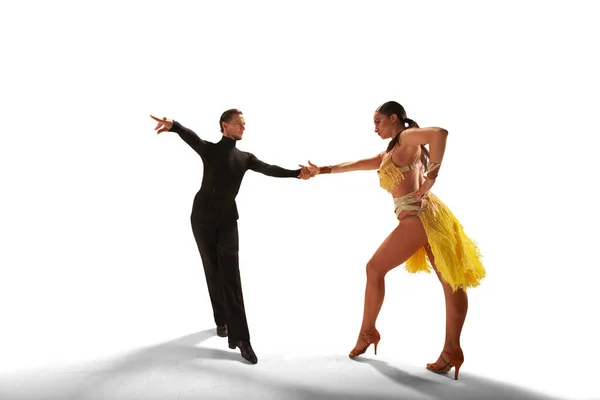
(312, 169)
(425, 187)
(304, 173)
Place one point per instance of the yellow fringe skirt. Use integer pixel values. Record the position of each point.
(456, 256)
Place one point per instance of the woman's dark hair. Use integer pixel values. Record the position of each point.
(227, 116)
(392, 107)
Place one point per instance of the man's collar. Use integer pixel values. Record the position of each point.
(227, 142)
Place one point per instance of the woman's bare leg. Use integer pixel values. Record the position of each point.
(457, 305)
(402, 243)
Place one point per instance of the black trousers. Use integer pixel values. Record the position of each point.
(218, 243)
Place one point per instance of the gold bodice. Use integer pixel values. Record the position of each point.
(390, 175)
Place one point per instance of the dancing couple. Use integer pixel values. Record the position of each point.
(428, 236)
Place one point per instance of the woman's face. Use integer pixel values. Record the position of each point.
(384, 126)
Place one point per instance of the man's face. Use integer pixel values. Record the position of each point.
(235, 128)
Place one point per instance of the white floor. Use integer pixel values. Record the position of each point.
(199, 366)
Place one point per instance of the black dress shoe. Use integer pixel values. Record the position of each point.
(222, 330)
(246, 350)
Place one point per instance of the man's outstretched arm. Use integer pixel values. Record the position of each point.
(272, 170)
(188, 136)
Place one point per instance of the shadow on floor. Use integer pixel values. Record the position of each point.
(183, 370)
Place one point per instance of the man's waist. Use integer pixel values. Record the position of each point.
(216, 192)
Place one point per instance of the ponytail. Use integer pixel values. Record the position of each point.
(411, 123)
(424, 157)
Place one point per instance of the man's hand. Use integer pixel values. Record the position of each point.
(164, 125)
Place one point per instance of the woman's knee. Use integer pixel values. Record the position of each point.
(375, 271)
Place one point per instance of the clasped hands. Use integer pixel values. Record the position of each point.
(309, 171)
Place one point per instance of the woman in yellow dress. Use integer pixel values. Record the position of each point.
(428, 235)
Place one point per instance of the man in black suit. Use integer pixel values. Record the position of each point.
(214, 219)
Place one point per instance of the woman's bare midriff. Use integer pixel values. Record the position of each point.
(413, 179)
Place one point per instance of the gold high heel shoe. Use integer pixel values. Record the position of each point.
(373, 337)
(455, 359)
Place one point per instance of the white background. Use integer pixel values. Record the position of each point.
(97, 253)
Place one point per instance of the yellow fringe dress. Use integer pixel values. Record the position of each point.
(456, 256)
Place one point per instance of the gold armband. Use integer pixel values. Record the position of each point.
(432, 171)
